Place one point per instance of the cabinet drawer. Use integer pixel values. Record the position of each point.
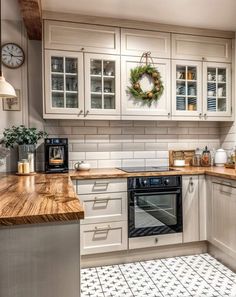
(77, 37)
(156, 240)
(101, 186)
(102, 238)
(136, 42)
(198, 47)
(108, 207)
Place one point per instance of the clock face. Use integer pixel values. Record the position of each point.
(12, 55)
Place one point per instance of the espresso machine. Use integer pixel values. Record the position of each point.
(56, 155)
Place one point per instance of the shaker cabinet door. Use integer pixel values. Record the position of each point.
(133, 108)
(187, 88)
(102, 85)
(216, 90)
(63, 92)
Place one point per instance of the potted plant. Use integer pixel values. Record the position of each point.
(25, 138)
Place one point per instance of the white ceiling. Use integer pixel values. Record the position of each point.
(216, 14)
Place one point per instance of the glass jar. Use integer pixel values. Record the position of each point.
(206, 158)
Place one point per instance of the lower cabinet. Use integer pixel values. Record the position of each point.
(190, 196)
(104, 228)
(222, 216)
(102, 238)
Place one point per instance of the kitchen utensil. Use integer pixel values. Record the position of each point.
(82, 166)
(206, 158)
(220, 157)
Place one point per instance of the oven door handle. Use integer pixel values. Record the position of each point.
(157, 193)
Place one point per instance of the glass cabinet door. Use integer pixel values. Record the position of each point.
(186, 88)
(101, 84)
(63, 82)
(217, 97)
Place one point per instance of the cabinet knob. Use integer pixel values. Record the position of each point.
(82, 48)
(156, 240)
(87, 112)
(205, 116)
(80, 112)
(200, 115)
(168, 114)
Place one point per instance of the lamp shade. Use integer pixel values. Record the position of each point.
(6, 89)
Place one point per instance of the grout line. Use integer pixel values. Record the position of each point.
(126, 280)
(176, 276)
(196, 271)
(100, 282)
(151, 279)
(218, 269)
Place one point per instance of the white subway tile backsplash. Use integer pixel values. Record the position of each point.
(84, 130)
(157, 130)
(121, 138)
(122, 155)
(135, 143)
(109, 147)
(136, 130)
(109, 130)
(133, 162)
(97, 155)
(133, 146)
(96, 138)
(109, 163)
(144, 155)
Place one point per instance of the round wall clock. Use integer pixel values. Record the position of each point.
(12, 55)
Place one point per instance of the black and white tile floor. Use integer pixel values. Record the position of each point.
(198, 275)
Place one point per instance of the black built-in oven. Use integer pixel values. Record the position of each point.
(155, 205)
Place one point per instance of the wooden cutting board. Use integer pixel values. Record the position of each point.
(186, 155)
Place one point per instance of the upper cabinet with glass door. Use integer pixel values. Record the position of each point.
(63, 83)
(102, 90)
(186, 79)
(217, 90)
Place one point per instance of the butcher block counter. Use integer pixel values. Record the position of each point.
(47, 198)
(41, 198)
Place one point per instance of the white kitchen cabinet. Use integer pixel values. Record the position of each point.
(187, 88)
(190, 47)
(104, 228)
(102, 85)
(190, 196)
(71, 36)
(216, 90)
(137, 109)
(222, 212)
(103, 237)
(63, 83)
(104, 207)
(136, 42)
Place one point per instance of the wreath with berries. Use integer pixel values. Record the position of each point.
(136, 75)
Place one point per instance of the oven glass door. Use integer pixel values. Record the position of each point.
(56, 155)
(155, 212)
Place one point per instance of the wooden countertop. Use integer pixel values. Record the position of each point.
(51, 197)
(38, 199)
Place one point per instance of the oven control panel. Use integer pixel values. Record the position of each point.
(154, 182)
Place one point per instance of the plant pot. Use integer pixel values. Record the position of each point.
(25, 149)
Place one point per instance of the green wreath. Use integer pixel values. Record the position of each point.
(136, 90)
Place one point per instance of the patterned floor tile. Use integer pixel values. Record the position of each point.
(113, 282)
(139, 281)
(188, 276)
(90, 284)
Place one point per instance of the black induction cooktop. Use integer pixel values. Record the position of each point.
(147, 169)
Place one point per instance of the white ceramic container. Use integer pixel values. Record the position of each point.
(220, 157)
